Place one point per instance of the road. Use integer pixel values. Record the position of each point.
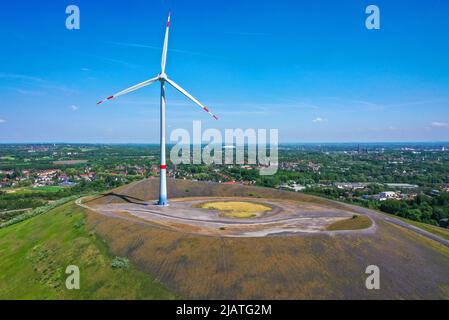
(383, 217)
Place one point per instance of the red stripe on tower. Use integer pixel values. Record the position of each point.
(109, 98)
(163, 166)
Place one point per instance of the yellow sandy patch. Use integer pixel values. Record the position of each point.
(236, 209)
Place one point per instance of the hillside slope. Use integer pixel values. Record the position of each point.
(35, 253)
(315, 266)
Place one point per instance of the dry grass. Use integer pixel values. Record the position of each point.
(296, 267)
(312, 267)
(354, 223)
(236, 209)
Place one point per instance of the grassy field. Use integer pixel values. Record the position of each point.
(47, 188)
(236, 209)
(354, 223)
(35, 253)
(69, 162)
(8, 158)
(30, 190)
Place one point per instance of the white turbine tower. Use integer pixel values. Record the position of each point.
(162, 78)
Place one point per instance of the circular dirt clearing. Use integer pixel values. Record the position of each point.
(232, 217)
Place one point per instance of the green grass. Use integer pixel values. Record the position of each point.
(35, 253)
(37, 211)
(355, 223)
(47, 188)
(442, 232)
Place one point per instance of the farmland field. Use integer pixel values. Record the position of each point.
(69, 162)
(47, 188)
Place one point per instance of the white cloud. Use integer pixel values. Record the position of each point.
(7, 75)
(74, 108)
(437, 124)
(2, 120)
(36, 82)
(85, 69)
(319, 120)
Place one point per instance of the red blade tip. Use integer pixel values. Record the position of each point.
(168, 19)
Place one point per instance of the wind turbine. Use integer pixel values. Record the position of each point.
(162, 78)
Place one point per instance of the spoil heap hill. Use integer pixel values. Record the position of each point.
(315, 266)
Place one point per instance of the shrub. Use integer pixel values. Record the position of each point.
(37, 211)
(120, 263)
(78, 224)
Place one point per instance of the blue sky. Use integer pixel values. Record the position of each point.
(308, 68)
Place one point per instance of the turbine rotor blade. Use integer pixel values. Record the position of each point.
(177, 87)
(133, 88)
(165, 48)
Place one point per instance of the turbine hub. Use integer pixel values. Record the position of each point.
(162, 77)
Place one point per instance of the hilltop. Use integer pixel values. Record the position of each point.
(165, 263)
(314, 266)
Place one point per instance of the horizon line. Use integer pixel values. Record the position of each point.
(279, 143)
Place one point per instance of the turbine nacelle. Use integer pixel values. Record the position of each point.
(162, 76)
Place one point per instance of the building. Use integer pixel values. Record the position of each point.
(292, 186)
(435, 192)
(67, 184)
(402, 185)
(385, 195)
(350, 185)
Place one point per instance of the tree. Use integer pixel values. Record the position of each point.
(391, 206)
